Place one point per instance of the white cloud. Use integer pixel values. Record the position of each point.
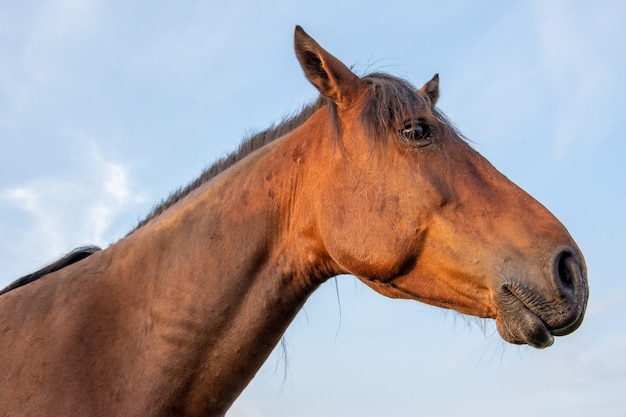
(58, 214)
(115, 196)
(37, 199)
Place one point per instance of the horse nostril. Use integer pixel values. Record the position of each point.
(566, 271)
(571, 283)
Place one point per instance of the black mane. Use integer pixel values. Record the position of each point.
(72, 257)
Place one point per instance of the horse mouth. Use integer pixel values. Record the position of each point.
(522, 321)
(517, 324)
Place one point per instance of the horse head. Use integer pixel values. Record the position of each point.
(408, 207)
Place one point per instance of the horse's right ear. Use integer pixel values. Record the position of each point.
(328, 74)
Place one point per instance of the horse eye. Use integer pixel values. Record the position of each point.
(417, 133)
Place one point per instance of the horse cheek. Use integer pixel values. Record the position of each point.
(364, 241)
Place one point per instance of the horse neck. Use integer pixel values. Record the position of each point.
(225, 270)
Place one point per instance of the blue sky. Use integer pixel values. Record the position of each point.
(106, 107)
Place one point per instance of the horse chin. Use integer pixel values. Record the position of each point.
(517, 324)
(524, 328)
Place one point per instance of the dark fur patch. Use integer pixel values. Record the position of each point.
(71, 258)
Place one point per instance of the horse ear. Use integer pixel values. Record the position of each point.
(431, 89)
(328, 74)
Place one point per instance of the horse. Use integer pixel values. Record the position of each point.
(370, 179)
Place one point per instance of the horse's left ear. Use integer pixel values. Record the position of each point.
(328, 74)
(431, 89)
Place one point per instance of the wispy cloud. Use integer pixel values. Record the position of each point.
(115, 194)
(34, 200)
(60, 213)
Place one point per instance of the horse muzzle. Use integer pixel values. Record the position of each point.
(527, 315)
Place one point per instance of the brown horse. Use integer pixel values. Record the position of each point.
(370, 180)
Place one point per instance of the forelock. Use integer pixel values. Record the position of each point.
(390, 103)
